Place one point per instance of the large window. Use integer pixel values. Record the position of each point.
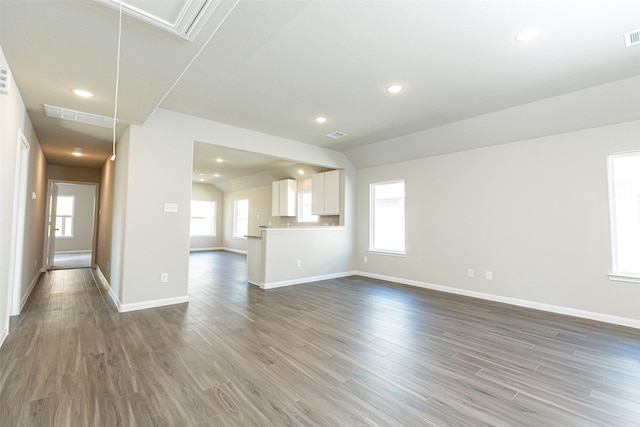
(203, 218)
(304, 207)
(240, 218)
(64, 216)
(624, 196)
(387, 217)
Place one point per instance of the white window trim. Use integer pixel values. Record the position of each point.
(215, 219)
(371, 249)
(235, 219)
(614, 275)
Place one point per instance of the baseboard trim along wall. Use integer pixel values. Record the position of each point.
(25, 297)
(600, 317)
(218, 248)
(272, 285)
(3, 335)
(122, 308)
(153, 303)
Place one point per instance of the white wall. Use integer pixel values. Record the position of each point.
(105, 219)
(13, 116)
(259, 214)
(208, 192)
(535, 213)
(83, 218)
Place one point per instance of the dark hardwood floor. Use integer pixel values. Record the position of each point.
(344, 352)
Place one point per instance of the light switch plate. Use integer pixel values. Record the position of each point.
(171, 207)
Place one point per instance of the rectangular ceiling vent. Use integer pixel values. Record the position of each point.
(78, 116)
(5, 80)
(632, 38)
(184, 18)
(336, 134)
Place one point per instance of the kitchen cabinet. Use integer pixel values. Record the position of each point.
(283, 197)
(325, 193)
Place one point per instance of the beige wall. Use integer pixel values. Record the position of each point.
(105, 220)
(13, 117)
(72, 173)
(83, 218)
(208, 192)
(534, 213)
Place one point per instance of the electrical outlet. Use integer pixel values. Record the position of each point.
(489, 275)
(298, 263)
(35, 263)
(164, 277)
(470, 272)
(365, 260)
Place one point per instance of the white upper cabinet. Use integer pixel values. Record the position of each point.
(283, 197)
(325, 193)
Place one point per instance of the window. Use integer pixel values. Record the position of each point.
(203, 218)
(304, 207)
(624, 203)
(64, 216)
(387, 217)
(240, 218)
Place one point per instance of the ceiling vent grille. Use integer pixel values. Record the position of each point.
(184, 18)
(78, 116)
(632, 38)
(336, 134)
(5, 80)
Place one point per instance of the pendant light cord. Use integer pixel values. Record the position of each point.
(115, 107)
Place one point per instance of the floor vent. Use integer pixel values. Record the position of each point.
(336, 134)
(632, 38)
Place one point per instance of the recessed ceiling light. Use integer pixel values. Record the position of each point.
(216, 175)
(83, 93)
(528, 34)
(201, 179)
(77, 151)
(300, 171)
(320, 119)
(219, 160)
(395, 88)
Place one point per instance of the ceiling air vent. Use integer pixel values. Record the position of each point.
(632, 38)
(336, 134)
(78, 116)
(4, 80)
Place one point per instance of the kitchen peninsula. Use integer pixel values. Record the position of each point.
(289, 255)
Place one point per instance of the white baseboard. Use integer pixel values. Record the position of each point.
(272, 285)
(25, 297)
(154, 303)
(79, 251)
(237, 251)
(122, 308)
(217, 248)
(3, 335)
(567, 311)
(107, 285)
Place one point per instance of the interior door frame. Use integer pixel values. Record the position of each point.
(48, 257)
(16, 253)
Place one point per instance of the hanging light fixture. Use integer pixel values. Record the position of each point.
(115, 103)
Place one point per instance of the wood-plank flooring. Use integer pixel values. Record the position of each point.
(344, 352)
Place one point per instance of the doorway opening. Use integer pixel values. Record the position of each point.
(71, 225)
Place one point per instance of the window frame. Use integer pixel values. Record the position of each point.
(617, 274)
(213, 218)
(372, 219)
(71, 235)
(236, 203)
(300, 217)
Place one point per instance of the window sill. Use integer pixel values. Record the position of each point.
(387, 253)
(65, 237)
(620, 277)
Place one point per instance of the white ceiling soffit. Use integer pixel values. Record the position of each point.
(184, 18)
(79, 116)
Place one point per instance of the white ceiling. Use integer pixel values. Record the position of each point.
(272, 66)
